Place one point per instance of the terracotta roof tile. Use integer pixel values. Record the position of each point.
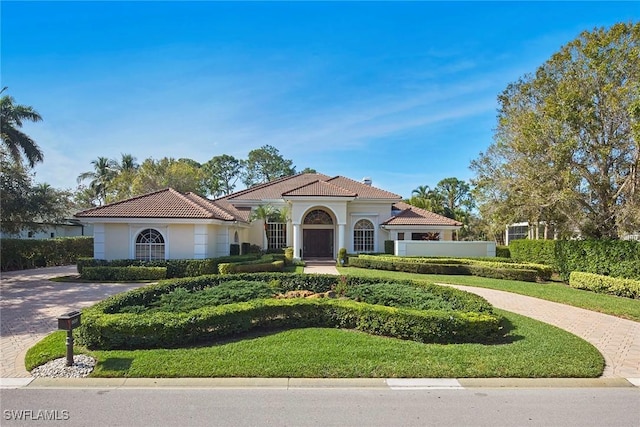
(320, 189)
(412, 215)
(364, 191)
(166, 203)
(273, 190)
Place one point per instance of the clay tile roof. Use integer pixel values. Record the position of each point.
(167, 203)
(364, 191)
(273, 190)
(412, 215)
(320, 188)
(299, 185)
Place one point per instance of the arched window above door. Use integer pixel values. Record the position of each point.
(318, 217)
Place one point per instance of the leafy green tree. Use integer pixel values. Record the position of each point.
(14, 141)
(456, 197)
(26, 206)
(121, 186)
(221, 174)
(266, 164)
(154, 175)
(564, 149)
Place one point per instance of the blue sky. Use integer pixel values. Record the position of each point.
(404, 93)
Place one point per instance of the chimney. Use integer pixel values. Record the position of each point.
(366, 180)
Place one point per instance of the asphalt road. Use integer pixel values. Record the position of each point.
(321, 407)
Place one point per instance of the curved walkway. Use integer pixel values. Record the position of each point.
(617, 339)
(30, 305)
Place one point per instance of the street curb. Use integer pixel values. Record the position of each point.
(302, 383)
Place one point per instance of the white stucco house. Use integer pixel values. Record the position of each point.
(324, 214)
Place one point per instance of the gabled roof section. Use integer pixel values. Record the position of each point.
(364, 191)
(167, 203)
(412, 215)
(311, 184)
(320, 189)
(273, 190)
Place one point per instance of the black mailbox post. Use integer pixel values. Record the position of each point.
(68, 322)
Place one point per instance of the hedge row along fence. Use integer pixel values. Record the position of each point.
(627, 288)
(616, 258)
(504, 269)
(105, 328)
(22, 254)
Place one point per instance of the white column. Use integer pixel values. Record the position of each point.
(200, 238)
(297, 241)
(341, 236)
(99, 241)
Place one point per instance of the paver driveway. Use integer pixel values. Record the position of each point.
(29, 307)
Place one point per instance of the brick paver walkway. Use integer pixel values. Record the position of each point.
(617, 339)
(29, 307)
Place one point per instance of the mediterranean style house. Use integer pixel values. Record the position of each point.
(324, 214)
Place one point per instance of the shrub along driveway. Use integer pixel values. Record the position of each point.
(29, 307)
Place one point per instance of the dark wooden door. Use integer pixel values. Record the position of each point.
(317, 243)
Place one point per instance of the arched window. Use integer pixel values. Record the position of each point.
(318, 217)
(363, 236)
(236, 239)
(150, 245)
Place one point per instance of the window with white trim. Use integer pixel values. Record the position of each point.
(363, 236)
(150, 245)
(277, 232)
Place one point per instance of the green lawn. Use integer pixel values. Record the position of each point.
(530, 349)
(625, 308)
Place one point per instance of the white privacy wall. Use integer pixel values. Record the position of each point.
(444, 248)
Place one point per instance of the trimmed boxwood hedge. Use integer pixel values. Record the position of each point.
(124, 274)
(495, 268)
(617, 258)
(104, 327)
(21, 254)
(175, 267)
(627, 288)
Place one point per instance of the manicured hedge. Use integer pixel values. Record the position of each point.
(104, 327)
(627, 288)
(21, 254)
(124, 274)
(175, 267)
(455, 266)
(503, 252)
(282, 283)
(254, 267)
(617, 258)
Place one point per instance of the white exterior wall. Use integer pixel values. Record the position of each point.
(116, 241)
(443, 248)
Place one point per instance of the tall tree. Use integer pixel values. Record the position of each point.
(103, 173)
(266, 164)
(121, 186)
(564, 150)
(16, 142)
(264, 213)
(156, 175)
(456, 196)
(26, 206)
(221, 174)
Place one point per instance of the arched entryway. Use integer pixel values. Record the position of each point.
(318, 234)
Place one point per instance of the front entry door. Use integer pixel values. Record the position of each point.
(317, 243)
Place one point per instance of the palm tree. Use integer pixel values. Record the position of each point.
(422, 192)
(104, 170)
(264, 213)
(15, 141)
(127, 164)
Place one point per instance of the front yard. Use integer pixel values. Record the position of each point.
(526, 348)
